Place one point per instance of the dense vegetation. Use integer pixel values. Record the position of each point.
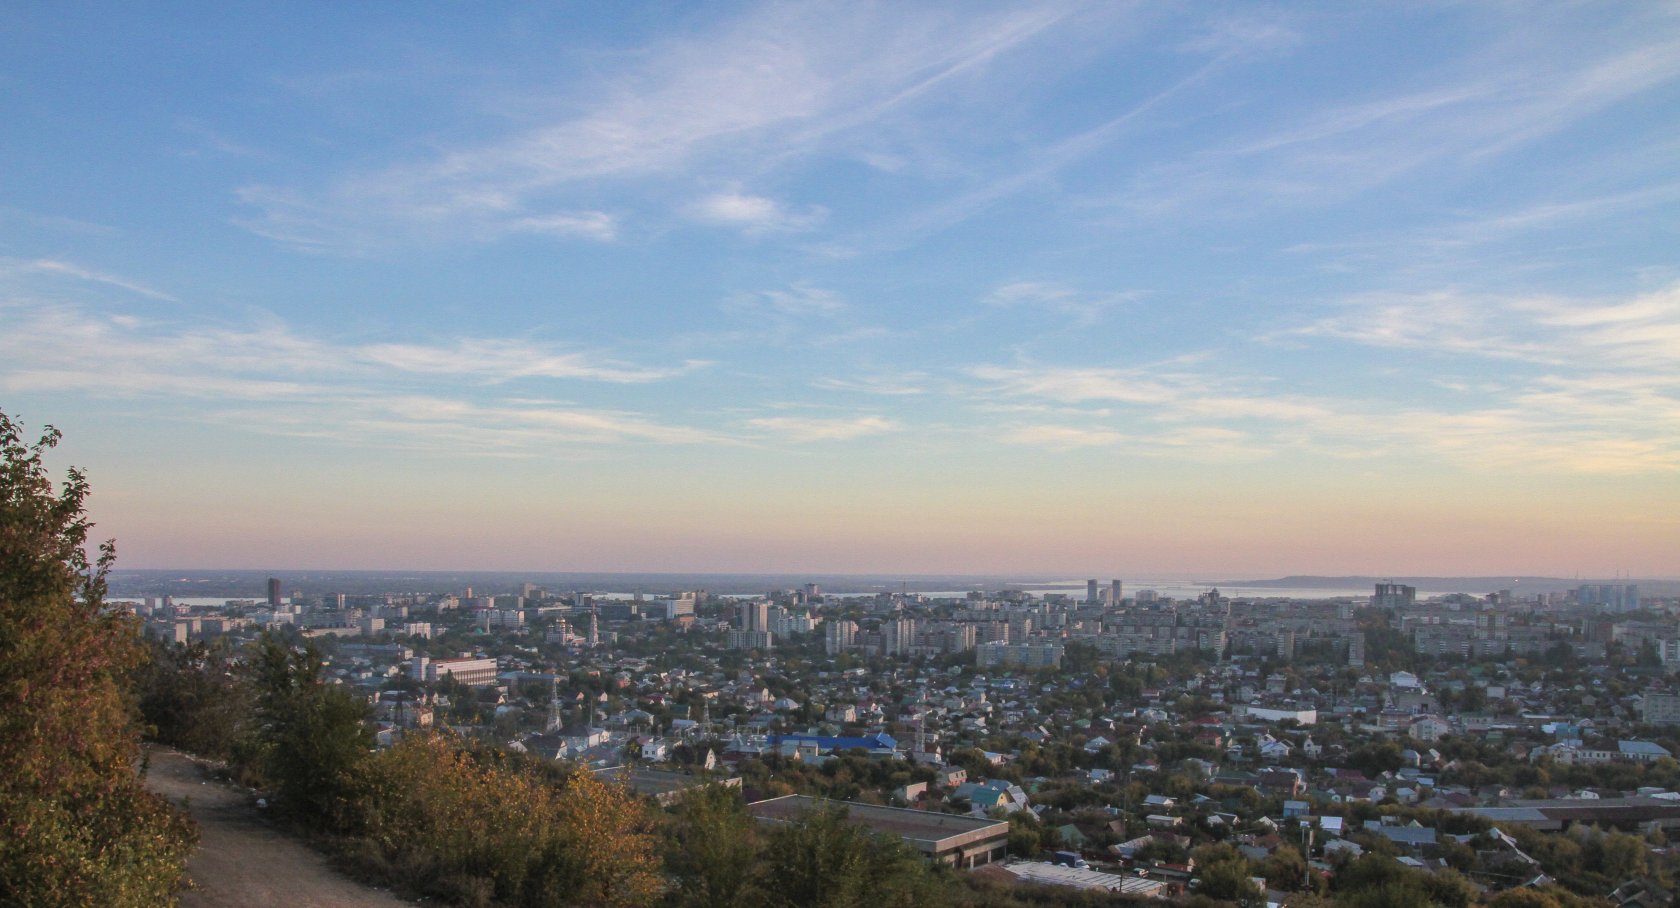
(76, 826)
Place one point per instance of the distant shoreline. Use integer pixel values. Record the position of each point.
(251, 583)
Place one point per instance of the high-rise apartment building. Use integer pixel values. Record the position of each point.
(898, 636)
(1609, 597)
(1394, 595)
(1027, 655)
(839, 635)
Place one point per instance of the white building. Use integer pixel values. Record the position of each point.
(473, 672)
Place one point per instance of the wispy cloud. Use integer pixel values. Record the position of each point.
(815, 429)
(779, 81)
(1459, 240)
(508, 428)
(1594, 387)
(508, 360)
(907, 384)
(1482, 110)
(798, 300)
(753, 213)
(361, 394)
(1051, 436)
(9, 267)
(1039, 168)
(1080, 385)
(362, 223)
(800, 313)
(1642, 332)
(1083, 308)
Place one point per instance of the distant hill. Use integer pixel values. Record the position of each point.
(1480, 585)
(252, 584)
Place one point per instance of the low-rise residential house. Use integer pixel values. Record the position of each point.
(984, 797)
(1429, 728)
(1275, 751)
(1287, 782)
(1641, 893)
(1411, 836)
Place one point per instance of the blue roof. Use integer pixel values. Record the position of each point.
(826, 743)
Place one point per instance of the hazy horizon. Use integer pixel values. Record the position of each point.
(819, 288)
(1037, 578)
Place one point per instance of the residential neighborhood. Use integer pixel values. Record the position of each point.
(1122, 744)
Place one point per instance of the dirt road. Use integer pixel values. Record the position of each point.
(243, 862)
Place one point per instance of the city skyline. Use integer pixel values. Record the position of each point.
(954, 288)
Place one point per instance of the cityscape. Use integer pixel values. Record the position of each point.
(787, 454)
(1118, 732)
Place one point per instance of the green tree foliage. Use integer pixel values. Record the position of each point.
(1228, 880)
(1524, 898)
(1376, 758)
(76, 826)
(191, 697)
(1026, 834)
(1379, 881)
(1447, 887)
(822, 860)
(1616, 855)
(1393, 894)
(312, 736)
(1285, 869)
(714, 850)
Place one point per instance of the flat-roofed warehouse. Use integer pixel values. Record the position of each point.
(961, 841)
(1084, 878)
(1622, 813)
(663, 786)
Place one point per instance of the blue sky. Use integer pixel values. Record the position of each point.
(1089, 288)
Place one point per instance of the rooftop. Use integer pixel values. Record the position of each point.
(927, 831)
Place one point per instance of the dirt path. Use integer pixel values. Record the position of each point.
(242, 862)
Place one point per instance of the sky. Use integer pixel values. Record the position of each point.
(1098, 289)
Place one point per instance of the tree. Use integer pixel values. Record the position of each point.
(1026, 834)
(191, 698)
(1285, 869)
(1228, 881)
(1448, 888)
(604, 855)
(442, 816)
(1616, 855)
(1376, 758)
(715, 849)
(1523, 898)
(822, 859)
(1394, 894)
(76, 825)
(313, 735)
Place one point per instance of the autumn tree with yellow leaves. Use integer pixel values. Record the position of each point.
(76, 826)
(471, 826)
